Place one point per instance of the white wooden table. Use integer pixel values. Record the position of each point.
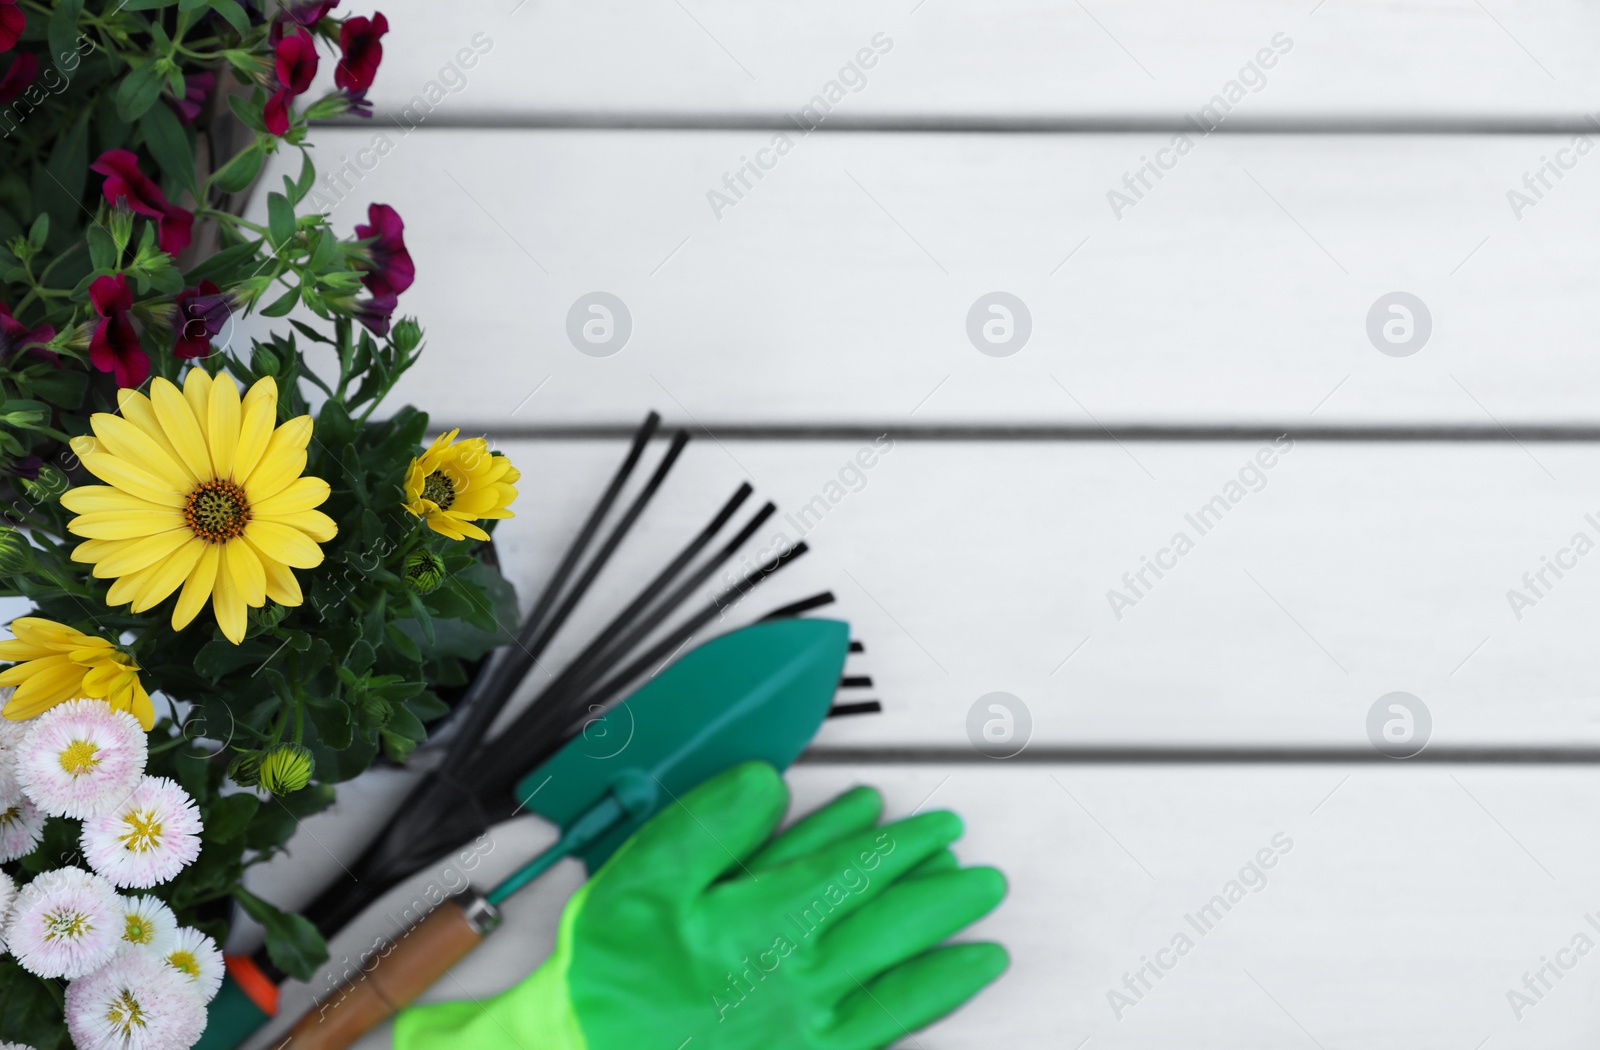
(1213, 711)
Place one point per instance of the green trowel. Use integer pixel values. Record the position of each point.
(758, 693)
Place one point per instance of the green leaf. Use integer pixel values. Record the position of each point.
(191, 5)
(226, 264)
(403, 643)
(361, 657)
(102, 249)
(145, 5)
(283, 303)
(280, 219)
(140, 89)
(235, 14)
(308, 176)
(58, 184)
(220, 656)
(293, 944)
(248, 110)
(39, 232)
(62, 32)
(229, 816)
(237, 175)
(169, 144)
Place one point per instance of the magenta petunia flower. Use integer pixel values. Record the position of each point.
(125, 182)
(18, 76)
(14, 336)
(295, 60)
(196, 86)
(114, 346)
(375, 313)
(12, 21)
(392, 270)
(201, 314)
(361, 40)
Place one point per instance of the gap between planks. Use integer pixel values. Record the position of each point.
(1198, 756)
(958, 432)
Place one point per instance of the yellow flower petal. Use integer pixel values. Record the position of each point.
(141, 553)
(282, 587)
(197, 588)
(127, 588)
(178, 423)
(49, 682)
(124, 525)
(257, 415)
(313, 523)
(127, 442)
(285, 544)
(222, 425)
(302, 493)
(197, 392)
(91, 551)
(241, 565)
(134, 479)
(140, 411)
(88, 499)
(169, 573)
(228, 603)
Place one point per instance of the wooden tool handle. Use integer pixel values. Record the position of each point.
(390, 981)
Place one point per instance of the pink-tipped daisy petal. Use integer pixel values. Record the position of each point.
(148, 924)
(198, 958)
(66, 923)
(82, 758)
(11, 734)
(21, 828)
(8, 896)
(147, 839)
(135, 1002)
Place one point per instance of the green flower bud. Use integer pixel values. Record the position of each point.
(406, 335)
(264, 360)
(269, 615)
(374, 711)
(45, 488)
(424, 571)
(245, 769)
(286, 768)
(16, 555)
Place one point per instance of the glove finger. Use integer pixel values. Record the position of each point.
(853, 811)
(940, 862)
(826, 885)
(706, 832)
(907, 920)
(915, 994)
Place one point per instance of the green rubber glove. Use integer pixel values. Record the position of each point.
(704, 927)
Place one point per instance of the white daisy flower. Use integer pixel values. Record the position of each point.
(198, 958)
(148, 923)
(82, 758)
(148, 838)
(15, 1046)
(11, 734)
(8, 895)
(135, 1002)
(21, 828)
(65, 923)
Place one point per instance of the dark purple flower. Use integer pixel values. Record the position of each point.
(392, 271)
(125, 182)
(114, 347)
(357, 103)
(296, 65)
(27, 467)
(196, 86)
(374, 313)
(18, 77)
(307, 14)
(14, 336)
(201, 314)
(361, 40)
(12, 21)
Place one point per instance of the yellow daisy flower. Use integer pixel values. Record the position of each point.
(454, 484)
(201, 490)
(56, 663)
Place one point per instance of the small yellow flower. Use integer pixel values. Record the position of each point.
(452, 485)
(56, 663)
(201, 491)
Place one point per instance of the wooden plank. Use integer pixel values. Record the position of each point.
(1342, 573)
(839, 289)
(1113, 58)
(1422, 894)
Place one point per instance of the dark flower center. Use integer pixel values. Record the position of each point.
(438, 489)
(217, 511)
